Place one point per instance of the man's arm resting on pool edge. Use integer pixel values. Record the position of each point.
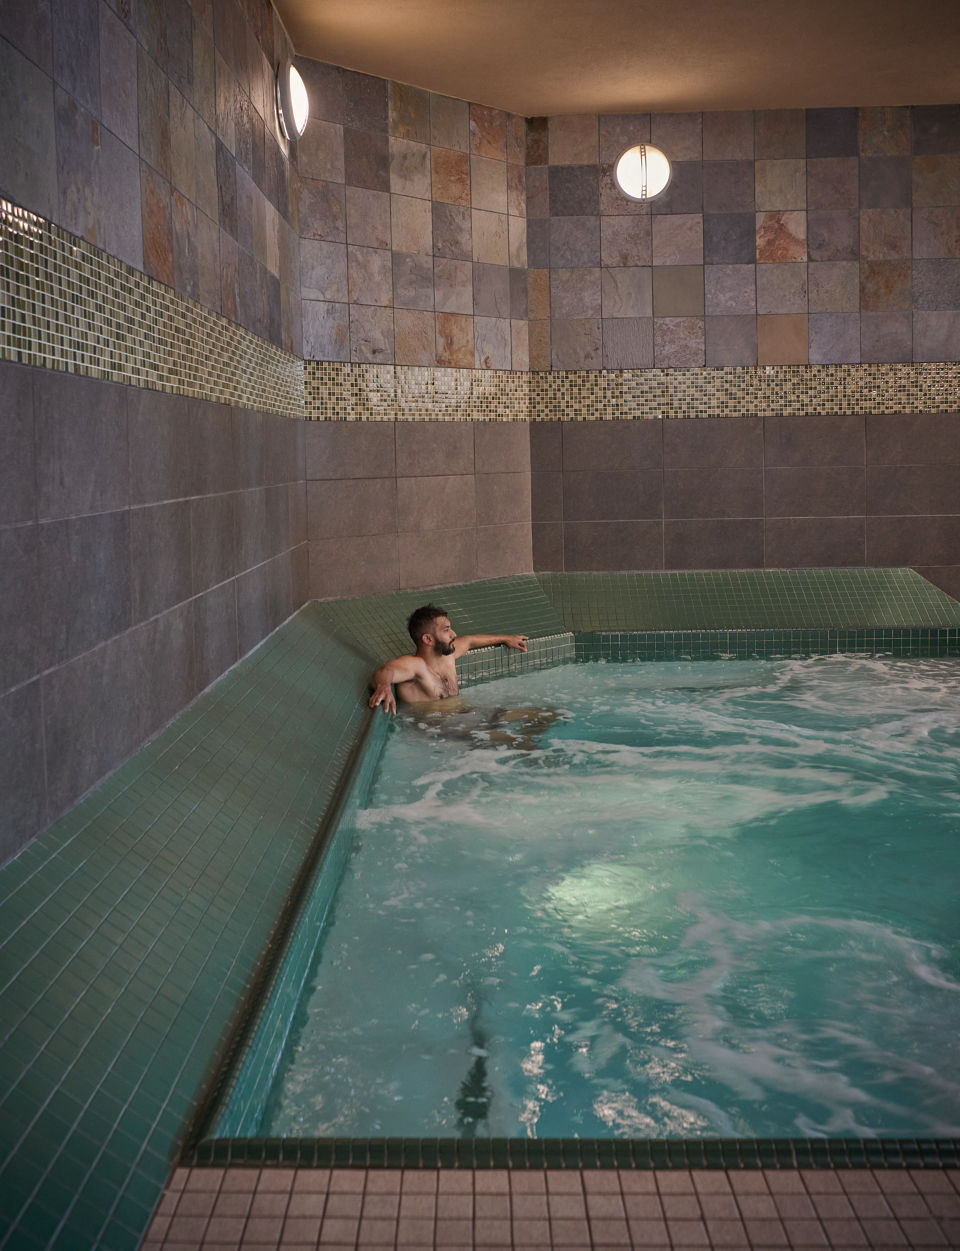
(467, 642)
(402, 669)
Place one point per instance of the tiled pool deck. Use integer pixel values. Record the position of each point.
(135, 931)
(360, 1210)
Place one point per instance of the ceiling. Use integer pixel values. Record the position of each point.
(545, 57)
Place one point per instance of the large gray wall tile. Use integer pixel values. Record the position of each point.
(22, 768)
(922, 489)
(215, 641)
(813, 440)
(547, 547)
(713, 492)
(504, 550)
(442, 502)
(264, 597)
(352, 507)
(713, 544)
(85, 596)
(820, 491)
(18, 483)
(355, 449)
(361, 565)
(612, 445)
(813, 542)
(596, 546)
(429, 447)
(705, 444)
(913, 439)
(82, 458)
(425, 562)
(160, 659)
(913, 541)
(91, 721)
(502, 446)
(546, 445)
(611, 495)
(502, 498)
(26, 104)
(161, 446)
(19, 605)
(160, 558)
(215, 540)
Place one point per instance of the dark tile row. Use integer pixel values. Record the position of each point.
(887, 439)
(752, 543)
(773, 492)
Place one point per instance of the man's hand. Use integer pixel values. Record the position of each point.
(384, 696)
(517, 641)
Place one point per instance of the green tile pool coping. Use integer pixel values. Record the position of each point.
(140, 928)
(576, 1153)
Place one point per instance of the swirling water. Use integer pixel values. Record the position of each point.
(681, 899)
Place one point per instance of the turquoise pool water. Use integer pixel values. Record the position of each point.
(671, 900)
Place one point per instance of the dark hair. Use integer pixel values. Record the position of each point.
(421, 619)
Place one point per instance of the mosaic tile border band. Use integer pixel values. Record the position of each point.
(350, 391)
(66, 304)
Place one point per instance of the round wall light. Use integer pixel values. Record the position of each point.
(642, 172)
(293, 106)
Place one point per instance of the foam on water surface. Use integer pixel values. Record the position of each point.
(649, 900)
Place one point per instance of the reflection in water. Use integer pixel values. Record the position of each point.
(458, 721)
(475, 1097)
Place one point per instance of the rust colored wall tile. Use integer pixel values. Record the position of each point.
(782, 236)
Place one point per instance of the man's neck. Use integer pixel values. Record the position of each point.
(432, 657)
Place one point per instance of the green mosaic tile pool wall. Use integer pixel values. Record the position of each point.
(135, 928)
(749, 599)
(69, 305)
(646, 645)
(340, 391)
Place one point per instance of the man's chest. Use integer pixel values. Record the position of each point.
(443, 681)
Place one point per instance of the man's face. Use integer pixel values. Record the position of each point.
(444, 636)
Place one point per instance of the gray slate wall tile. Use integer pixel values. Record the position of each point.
(215, 633)
(716, 543)
(18, 492)
(19, 605)
(598, 546)
(502, 447)
(160, 558)
(22, 769)
(84, 562)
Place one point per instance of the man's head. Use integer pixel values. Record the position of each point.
(431, 624)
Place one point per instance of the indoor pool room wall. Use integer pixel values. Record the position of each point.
(255, 396)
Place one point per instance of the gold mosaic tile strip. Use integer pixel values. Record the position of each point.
(338, 391)
(801, 390)
(65, 304)
(358, 392)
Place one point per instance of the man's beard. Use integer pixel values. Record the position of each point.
(444, 649)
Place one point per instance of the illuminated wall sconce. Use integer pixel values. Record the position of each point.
(642, 172)
(293, 106)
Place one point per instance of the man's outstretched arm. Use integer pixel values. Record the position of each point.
(402, 669)
(467, 642)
